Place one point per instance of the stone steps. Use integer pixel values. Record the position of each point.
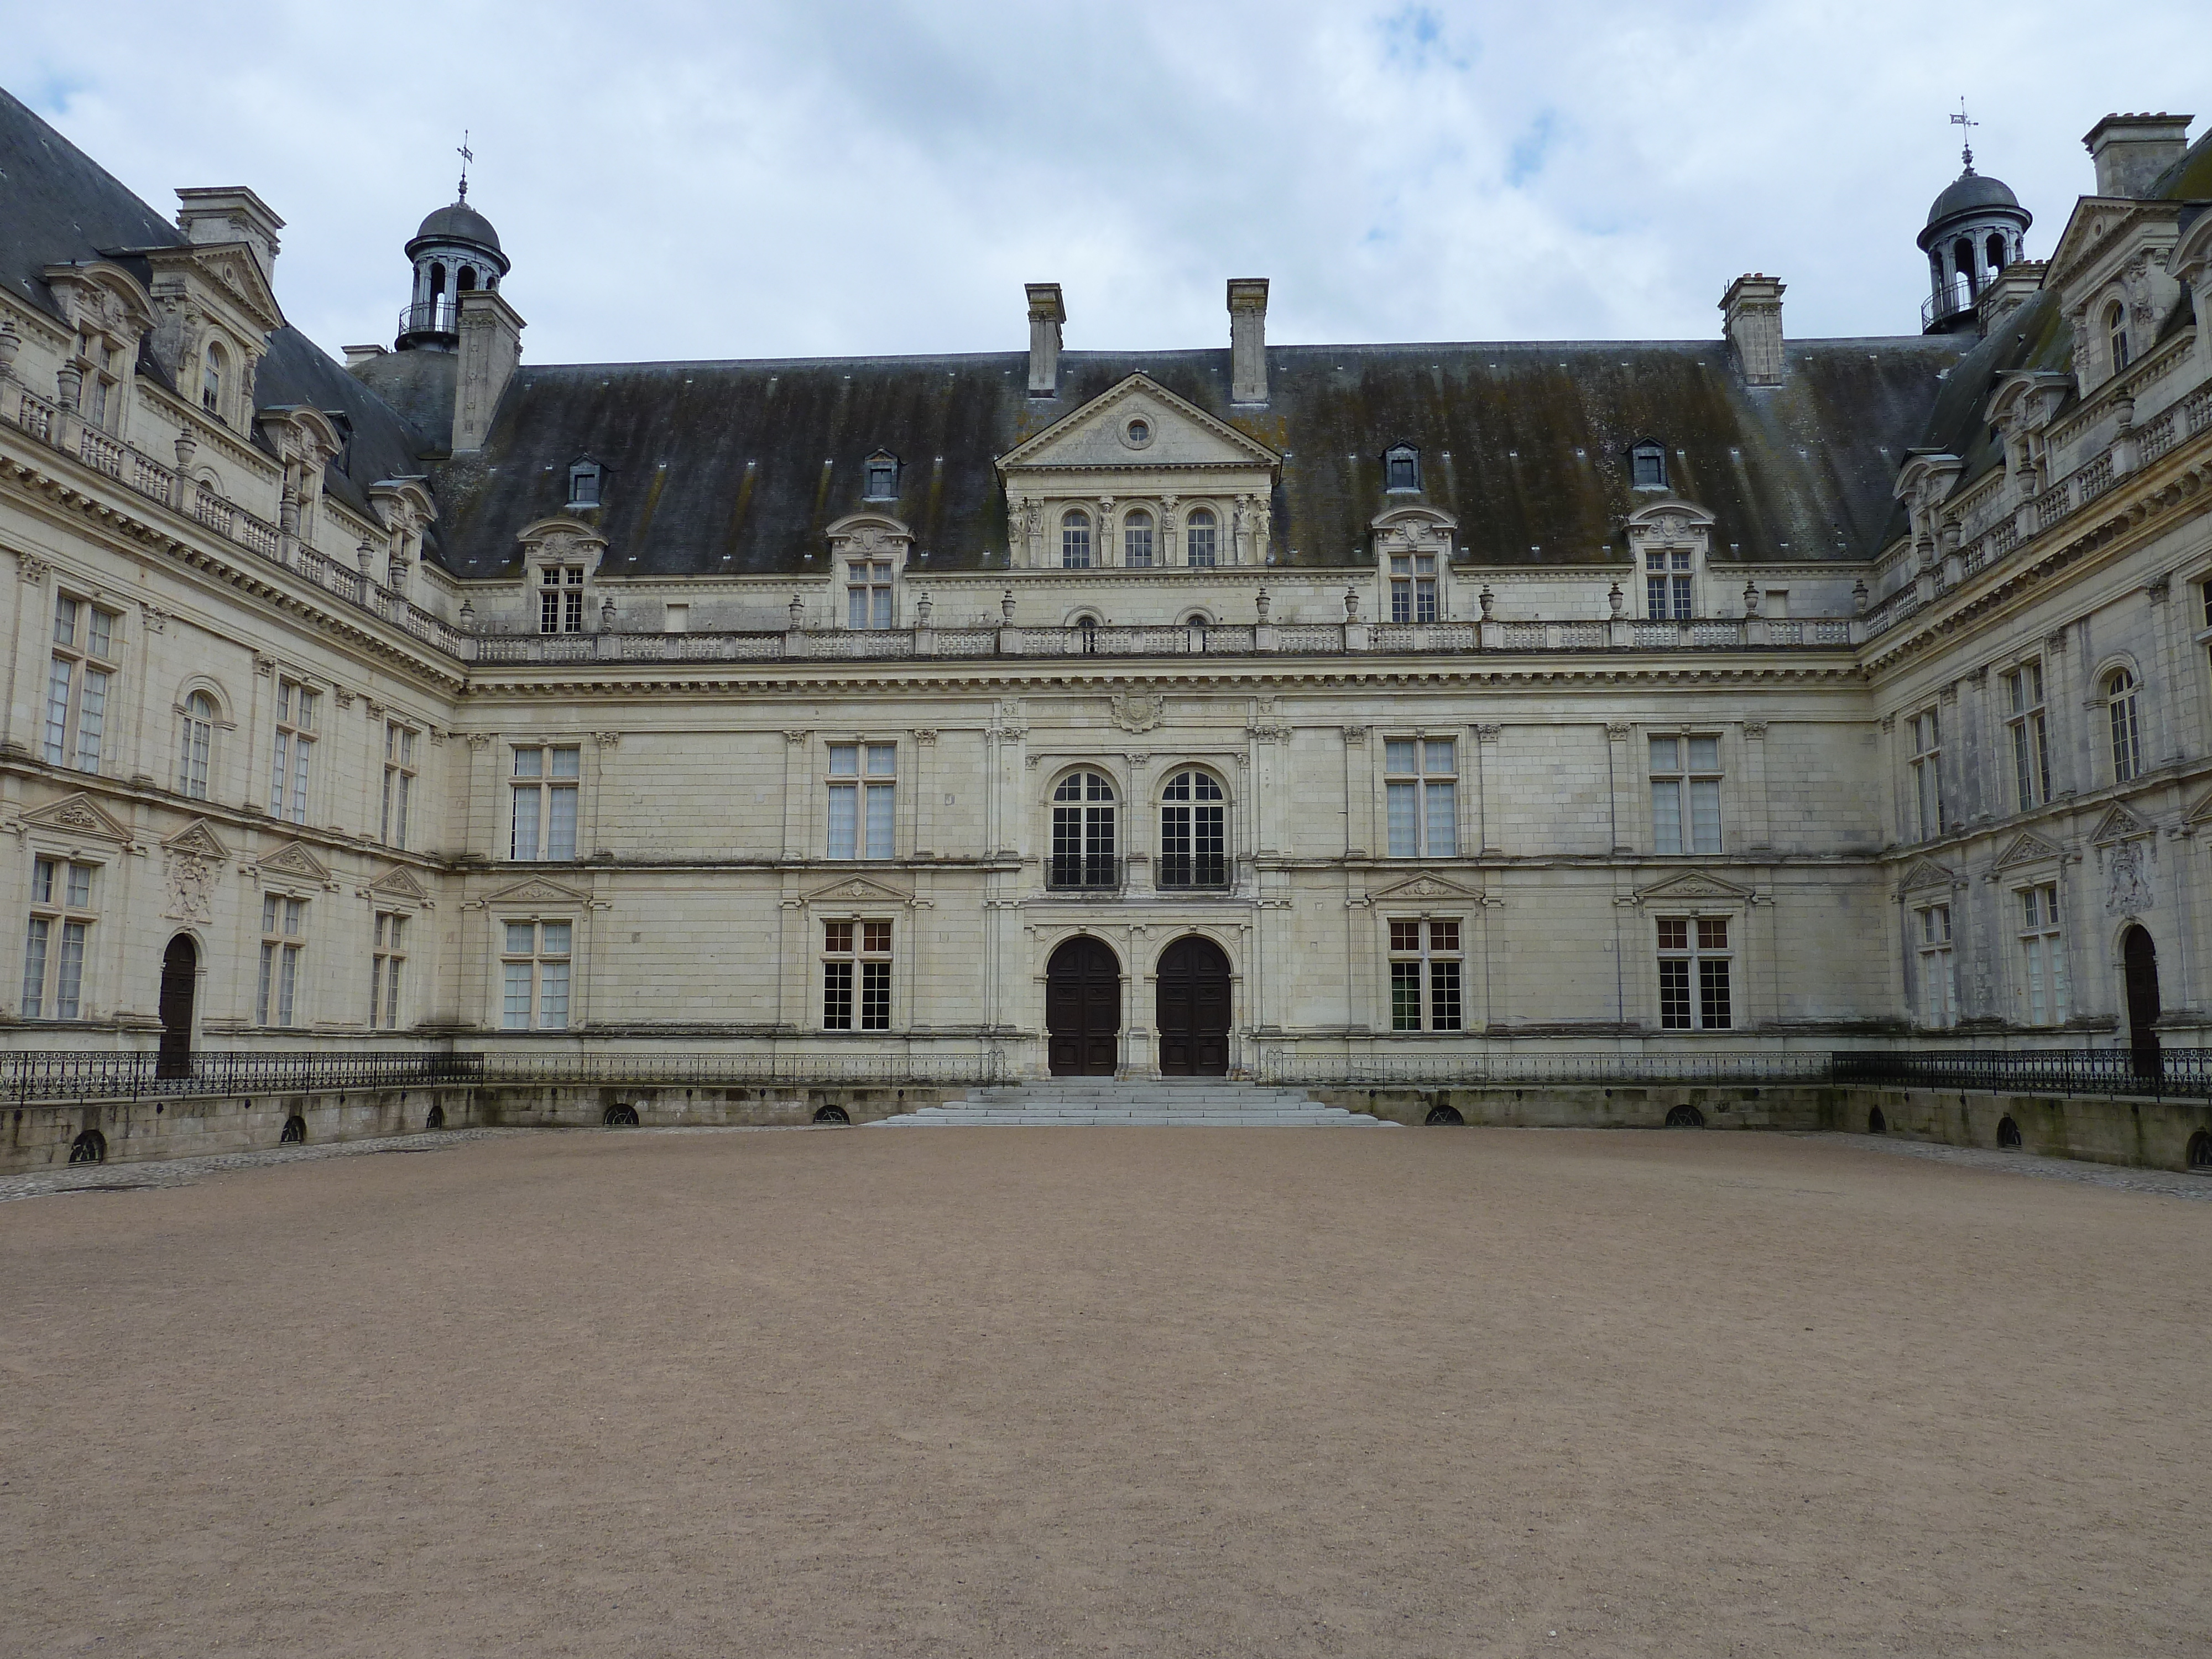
(1101, 1103)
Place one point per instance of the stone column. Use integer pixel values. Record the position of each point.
(1757, 821)
(798, 794)
(1486, 815)
(1358, 792)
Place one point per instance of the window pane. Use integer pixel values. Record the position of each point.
(838, 996)
(1404, 826)
(64, 621)
(301, 749)
(80, 886)
(261, 993)
(856, 607)
(57, 702)
(844, 820)
(1666, 815)
(568, 762)
(1398, 755)
(875, 996)
(881, 618)
(1406, 936)
(1443, 936)
(1443, 827)
(1666, 755)
(1706, 815)
(99, 638)
(875, 937)
(34, 967)
(561, 833)
(521, 937)
(1674, 933)
(1437, 757)
(552, 993)
(288, 978)
(883, 759)
(557, 937)
(1712, 933)
(91, 718)
(844, 758)
(1675, 996)
(523, 844)
(1443, 996)
(1713, 1009)
(1405, 996)
(527, 762)
(879, 820)
(1704, 754)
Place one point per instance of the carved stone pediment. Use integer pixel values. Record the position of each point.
(399, 883)
(857, 890)
(2118, 824)
(1922, 873)
(1177, 434)
(297, 861)
(197, 840)
(76, 814)
(538, 889)
(231, 269)
(2026, 848)
(1693, 886)
(1424, 886)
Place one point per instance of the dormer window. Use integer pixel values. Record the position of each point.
(2116, 330)
(561, 600)
(1401, 468)
(211, 380)
(584, 478)
(1647, 465)
(880, 473)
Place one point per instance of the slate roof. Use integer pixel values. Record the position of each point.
(1969, 192)
(380, 444)
(738, 468)
(59, 207)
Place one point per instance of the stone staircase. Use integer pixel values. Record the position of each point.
(1191, 1102)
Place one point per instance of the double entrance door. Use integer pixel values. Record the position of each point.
(1082, 1009)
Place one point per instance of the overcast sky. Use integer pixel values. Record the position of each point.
(730, 180)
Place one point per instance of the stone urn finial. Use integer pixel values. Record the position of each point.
(1859, 597)
(797, 612)
(1007, 606)
(187, 446)
(1615, 601)
(923, 607)
(10, 344)
(1352, 604)
(1263, 600)
(1751, 598)
(1486, 600)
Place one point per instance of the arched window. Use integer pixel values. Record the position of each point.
(1194, 841)
(1082, 846)
(1401, 468)
(2116, 330)
(1198, 539)
(211, 379)
(1647, 466)
(468, 282)
(1086, 631)
(1137, 539)
(1995, 251)
(1962, 261)
(1075, 540)
(1196, 624)
(2127, 736)
(198, 742)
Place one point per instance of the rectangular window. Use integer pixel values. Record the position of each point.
(2043, 955)
(1421, 796)
(399, 783)
(534, 966)
(1200, 551)
(294, 747)
(868, 593)
(543, 824)
(561, 600)
(388, 961)
(78, 681)
(2031, 740)
(1137, 541)
(1425, 975)
(1412, 587)
(863, 791)
(1685, 794)
(56, 939)
(283, 924)
(1939, 980)
(1694, 952)
(856, 955)
(1667, 586)
(1927, 775)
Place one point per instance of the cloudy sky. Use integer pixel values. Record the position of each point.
(680, 179)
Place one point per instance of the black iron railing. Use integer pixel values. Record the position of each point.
(1092, 872)
(57, 1076)
(430, 317)
(1510, 1068)
(2184, 1074)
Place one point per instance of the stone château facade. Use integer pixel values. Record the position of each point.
(1295, 711)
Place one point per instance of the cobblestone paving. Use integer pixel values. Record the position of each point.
(2169, 1183)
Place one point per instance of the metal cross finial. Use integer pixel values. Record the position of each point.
(1966, 134)
(468, 155)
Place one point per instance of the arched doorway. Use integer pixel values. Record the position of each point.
(181, 973)
(1194, 1009)
(2139, 960)
(1083, 1008)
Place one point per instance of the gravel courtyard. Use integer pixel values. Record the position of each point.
(1175, 1392)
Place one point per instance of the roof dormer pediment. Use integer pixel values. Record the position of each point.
(1138, 425)
(229, 271)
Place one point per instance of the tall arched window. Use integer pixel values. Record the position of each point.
(1075, 540)
(1198, 539)
(1962, 260)
(1995, 251)
(1086, 633)
(1193, 839)
(198, 742)
(1137, 539)
(2116, 330)
(2127, 736)
(1083, 846)
(211, 379)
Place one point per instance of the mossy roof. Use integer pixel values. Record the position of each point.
(738, 468)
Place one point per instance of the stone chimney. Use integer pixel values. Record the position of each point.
(2131, 150)
(1752, 310)
(231, 214)
(490, 347)
(1248, 339)
(1047, 313)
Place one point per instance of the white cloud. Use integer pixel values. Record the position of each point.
(678, 179)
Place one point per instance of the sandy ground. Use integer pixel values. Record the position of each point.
(1086, 1391)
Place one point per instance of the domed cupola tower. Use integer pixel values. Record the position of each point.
(455, 250)
(1975, 229)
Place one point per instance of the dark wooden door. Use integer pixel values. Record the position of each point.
(1194, 1009)
(1082, 1009)
(2139, 956)
(180, 966)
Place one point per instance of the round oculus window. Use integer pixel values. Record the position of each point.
(1137, 432)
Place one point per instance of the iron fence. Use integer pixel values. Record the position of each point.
(1507, 1069)
(2184, 1073)
(678, 1070)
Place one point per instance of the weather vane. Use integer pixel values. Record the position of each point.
(468, 155)
(1966, 134)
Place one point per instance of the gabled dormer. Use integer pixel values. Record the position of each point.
(215, 312)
